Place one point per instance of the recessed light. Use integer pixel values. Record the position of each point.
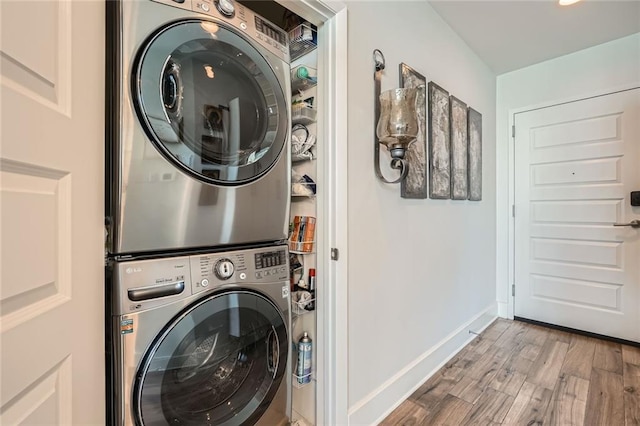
(567, 2)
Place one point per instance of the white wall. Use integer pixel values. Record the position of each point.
(420, 271)
(597, 70)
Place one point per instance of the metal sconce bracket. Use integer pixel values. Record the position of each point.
(398, 164)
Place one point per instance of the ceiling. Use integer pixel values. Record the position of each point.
(508, 35)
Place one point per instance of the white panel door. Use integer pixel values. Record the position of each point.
(51, 210)
(575, 167)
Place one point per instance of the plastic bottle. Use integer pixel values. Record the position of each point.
(303, 370)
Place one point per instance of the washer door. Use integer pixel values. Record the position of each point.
(219, 362)
(210, 102)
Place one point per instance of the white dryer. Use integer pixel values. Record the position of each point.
(201, 340)
(198, 126)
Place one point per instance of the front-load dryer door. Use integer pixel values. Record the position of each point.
(210, 102)
(222, 361)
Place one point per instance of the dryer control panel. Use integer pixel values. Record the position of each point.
(259, 29)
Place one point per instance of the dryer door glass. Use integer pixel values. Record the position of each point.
(220, 362)
(211, 102)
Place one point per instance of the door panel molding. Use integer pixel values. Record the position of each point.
(44, 75)
(36, 201)
(46, 401)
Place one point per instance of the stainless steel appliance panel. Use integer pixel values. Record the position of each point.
(140, 328)
(155, 206)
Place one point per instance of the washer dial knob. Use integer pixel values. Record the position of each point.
(224, 269)
(226, 7)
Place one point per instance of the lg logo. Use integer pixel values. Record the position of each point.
(131, 270)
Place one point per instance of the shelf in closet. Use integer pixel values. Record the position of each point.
(299, 158)
(298, 198)
(303, 77)
(302, 247)
(302, 40)
(303, 190)
(299, 385)
(303, 114)
(299, 308)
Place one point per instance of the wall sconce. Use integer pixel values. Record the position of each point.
(396, 122)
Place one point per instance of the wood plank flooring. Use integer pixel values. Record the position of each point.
(517, 373)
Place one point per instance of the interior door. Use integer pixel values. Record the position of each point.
(576, 165)
(51, 189)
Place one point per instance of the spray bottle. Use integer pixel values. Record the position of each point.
(303, 370)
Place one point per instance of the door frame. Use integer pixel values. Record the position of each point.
(512, 174)
(332, 397)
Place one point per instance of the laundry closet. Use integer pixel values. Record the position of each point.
(210, 260)
(305, 190)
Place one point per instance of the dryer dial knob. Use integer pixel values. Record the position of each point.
(224, 269)
(226, 7)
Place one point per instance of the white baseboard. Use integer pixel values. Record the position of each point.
(503, 310)
(373, 408)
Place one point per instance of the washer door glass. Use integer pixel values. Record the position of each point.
(219, 362)
(210, 102)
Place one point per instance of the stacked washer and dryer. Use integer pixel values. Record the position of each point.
(197, 211)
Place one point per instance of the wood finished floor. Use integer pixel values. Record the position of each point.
(516, 373)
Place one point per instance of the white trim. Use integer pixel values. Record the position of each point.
(512, 222)
(371, 409)
(317, 12)
(574, 98)
(503, 310)
(333, 390)
(512, 171)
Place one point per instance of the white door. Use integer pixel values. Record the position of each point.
(575, 166)
(51, 189)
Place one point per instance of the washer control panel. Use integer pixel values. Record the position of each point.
(266, 265)
(271, 263)
(145, 284)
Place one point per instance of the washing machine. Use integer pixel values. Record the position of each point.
(202, 339)
(198, 126)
